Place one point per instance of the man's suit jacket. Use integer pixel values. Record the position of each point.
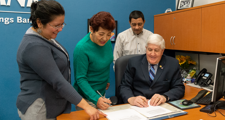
(167, 81)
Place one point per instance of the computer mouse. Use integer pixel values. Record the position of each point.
(187, 102)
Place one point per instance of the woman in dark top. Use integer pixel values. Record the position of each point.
(44, 67)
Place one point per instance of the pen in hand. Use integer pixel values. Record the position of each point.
(102, 97)
(100, 94)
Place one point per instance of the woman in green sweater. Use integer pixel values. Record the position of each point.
(92, 58)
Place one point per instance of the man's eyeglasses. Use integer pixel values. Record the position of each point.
(58, 26)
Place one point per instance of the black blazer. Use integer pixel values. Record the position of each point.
(168, 80)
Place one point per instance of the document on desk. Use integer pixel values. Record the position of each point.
(151, 110)
(126, 114)
(116, 108)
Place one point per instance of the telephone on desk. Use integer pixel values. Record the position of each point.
(204, 97)
(203, 78)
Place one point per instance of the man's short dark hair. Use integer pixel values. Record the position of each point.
(136, 14)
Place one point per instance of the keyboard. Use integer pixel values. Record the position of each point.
(206, 100)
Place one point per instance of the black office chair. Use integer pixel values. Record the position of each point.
(120, 67)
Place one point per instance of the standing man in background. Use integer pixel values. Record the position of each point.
(132, 40)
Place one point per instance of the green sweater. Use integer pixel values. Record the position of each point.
(91, 64)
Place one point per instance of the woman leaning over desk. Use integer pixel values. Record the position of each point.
(44, 67)
(92, 58)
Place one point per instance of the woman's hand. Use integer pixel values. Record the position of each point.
(92, 112)
(107, 86)
(103, 103)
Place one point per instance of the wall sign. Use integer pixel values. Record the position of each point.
(18, 19)
(21, 2)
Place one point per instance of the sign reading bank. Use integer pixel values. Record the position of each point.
(11, 7)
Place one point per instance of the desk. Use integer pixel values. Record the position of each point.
(193, 114)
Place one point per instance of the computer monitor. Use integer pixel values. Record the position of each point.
(219, 80)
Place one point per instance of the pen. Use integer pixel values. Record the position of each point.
(100, 94)
(102, 97)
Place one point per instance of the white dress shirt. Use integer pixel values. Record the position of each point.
(128, 43)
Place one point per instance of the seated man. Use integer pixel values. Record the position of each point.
(152, 76)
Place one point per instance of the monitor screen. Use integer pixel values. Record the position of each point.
(219, 80)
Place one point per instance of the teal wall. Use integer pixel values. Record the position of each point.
(77, 13)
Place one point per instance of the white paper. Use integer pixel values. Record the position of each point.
(151, 110)
(116, 108)
(126, 114)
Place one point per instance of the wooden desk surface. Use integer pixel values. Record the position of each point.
(193, 114)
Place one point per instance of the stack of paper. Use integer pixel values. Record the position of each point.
(151, 110)
(128, 112)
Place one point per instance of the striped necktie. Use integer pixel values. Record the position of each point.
(152, 73)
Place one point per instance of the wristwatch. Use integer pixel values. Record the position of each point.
(167, 98)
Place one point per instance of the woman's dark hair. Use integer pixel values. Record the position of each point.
(45, 11)
(104, 20)
(136, 14)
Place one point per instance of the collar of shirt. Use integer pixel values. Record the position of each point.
(136, 34)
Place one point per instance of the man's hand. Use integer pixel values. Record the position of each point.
(107, 86)
(103, 103)
(139, 101)
(157, 99)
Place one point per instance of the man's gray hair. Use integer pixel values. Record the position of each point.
(156, 39)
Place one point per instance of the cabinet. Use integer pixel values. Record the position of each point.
(213, 28)
(163, 26)
(180, 30)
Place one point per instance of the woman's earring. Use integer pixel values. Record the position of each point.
(38, 30)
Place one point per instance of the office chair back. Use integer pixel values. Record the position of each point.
(120, 67)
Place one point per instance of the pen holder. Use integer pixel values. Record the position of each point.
(113, 99)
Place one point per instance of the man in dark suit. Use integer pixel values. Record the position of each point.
(152, 76)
